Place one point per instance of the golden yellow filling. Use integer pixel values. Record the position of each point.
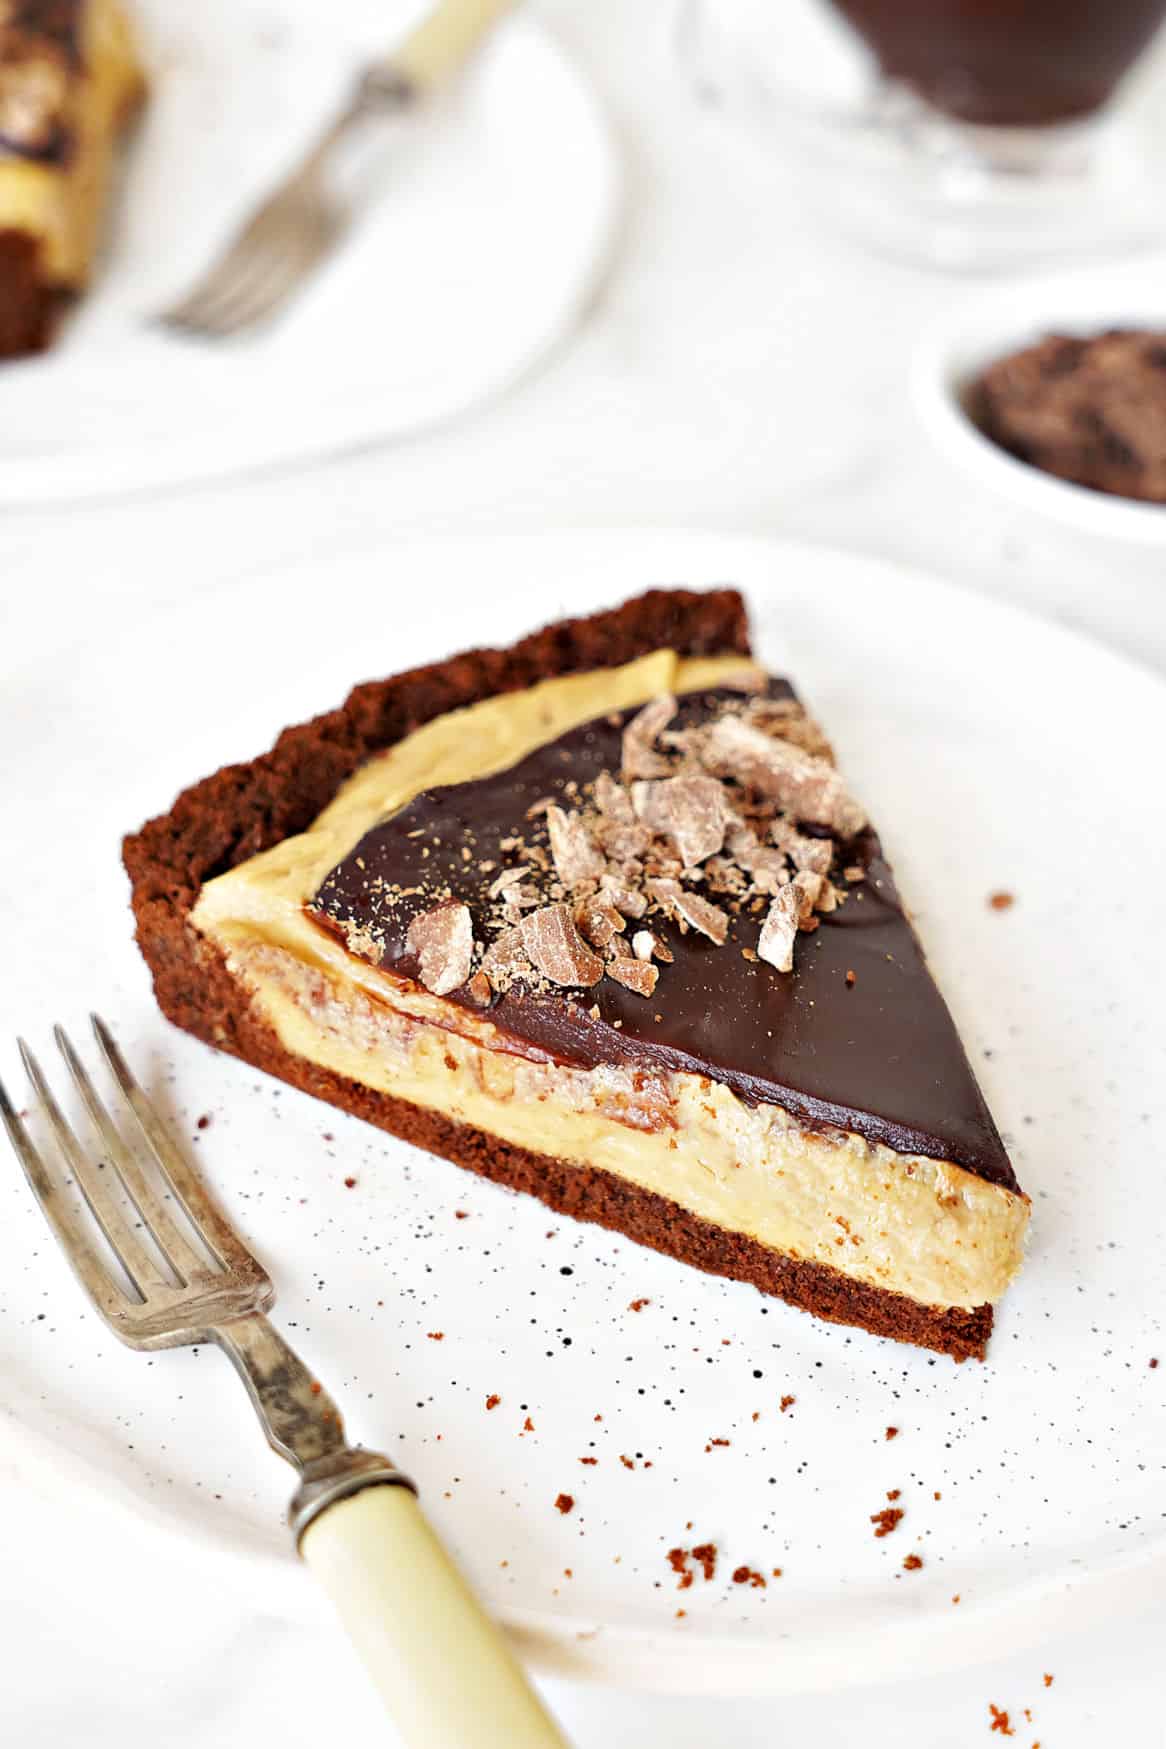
(918, 1226)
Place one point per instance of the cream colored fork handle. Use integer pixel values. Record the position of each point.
(447, 1676)
(446, 38)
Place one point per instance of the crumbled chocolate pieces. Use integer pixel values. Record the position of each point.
(443, 940)
(576, 855)
(1088, 409)
(599, 922)
(556, 948)
(640, 758)
(506, 960)
(806, 785)
(887, 1520)
(692, 811)
(734, 820)
(479, 990)
(634, 974)
(775, 945)
(705, 1554)
(815, 855)
(788, 721)
(690, 909)
(766, 867)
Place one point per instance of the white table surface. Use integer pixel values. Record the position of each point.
(743, 369)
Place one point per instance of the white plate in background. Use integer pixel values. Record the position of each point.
(971, 732)
(484, 237)
(986, 327)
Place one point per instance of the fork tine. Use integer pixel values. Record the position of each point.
(254, 289)
(173, 1243)
(216, 1232)
(208, 307)
(268, 290)
(138, 1262)
(67, 1229)
(264, 265)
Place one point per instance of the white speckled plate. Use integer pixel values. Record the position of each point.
(483, 230)
(995, 751)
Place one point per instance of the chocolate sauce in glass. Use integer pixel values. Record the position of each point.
(1009, 63)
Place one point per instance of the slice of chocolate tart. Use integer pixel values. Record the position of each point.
(599, 918)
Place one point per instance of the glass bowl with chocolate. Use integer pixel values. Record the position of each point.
(968, 134)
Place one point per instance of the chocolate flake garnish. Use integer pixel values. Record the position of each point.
(766, 867)
(510, 877)
(479, 990)
(807, 786)
(599, 922)
(788, 720)
(813, 854)
(364, 944)
(613, 801)
(622, 894)
(576, 856)
(506, 959)
(775, 944)
(692, 811)
(634, 974)
(557, 949)
(707, 811)
(809, 889)
(690, 908)
(640, 758)
(443, 940)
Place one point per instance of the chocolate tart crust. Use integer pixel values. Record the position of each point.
(246, 808)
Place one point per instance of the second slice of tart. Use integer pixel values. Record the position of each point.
(70, 80)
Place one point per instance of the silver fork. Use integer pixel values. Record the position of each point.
(443, 1668)
(302, 220)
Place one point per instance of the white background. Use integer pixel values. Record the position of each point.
(743, 369)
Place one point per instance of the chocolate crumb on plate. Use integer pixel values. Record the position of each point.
(887, 1520)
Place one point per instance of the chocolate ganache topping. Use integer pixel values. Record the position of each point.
(687, 887)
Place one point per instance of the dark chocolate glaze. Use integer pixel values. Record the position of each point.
(881, 1056)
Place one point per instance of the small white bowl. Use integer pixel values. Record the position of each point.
(992, 324)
